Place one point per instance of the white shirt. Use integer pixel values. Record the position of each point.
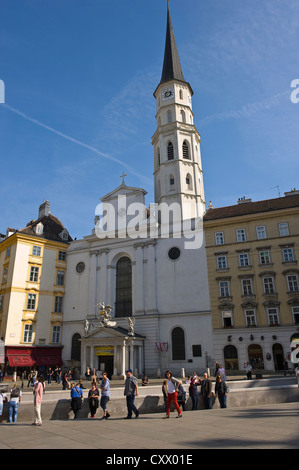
(171, 386)
(2, 396)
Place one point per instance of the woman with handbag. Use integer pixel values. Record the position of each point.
(93, 399)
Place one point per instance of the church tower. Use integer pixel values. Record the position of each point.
(176, 142)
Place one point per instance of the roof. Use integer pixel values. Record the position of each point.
(248, 208)
(51, 230)
(171, 67)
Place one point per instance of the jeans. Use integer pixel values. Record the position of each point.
(130, 405)
(208, 403)
(194, 400)
(104, 401)
(222, 401)
(12, 411)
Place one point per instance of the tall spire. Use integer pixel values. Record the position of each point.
(171, 67)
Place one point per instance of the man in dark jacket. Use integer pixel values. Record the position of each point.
(206, 392)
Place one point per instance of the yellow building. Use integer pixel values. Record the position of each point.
(252, 254)
(32, 270)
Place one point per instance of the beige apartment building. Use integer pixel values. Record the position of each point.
(32, 270)
(252, 254)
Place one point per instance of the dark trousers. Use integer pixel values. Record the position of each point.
(130, 405)
(207, 403)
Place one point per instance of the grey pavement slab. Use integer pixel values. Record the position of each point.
(259, 427)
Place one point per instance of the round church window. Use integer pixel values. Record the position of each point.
(80, 267)
(174, 253)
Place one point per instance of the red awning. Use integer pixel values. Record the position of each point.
(48, 360)
(21, 361)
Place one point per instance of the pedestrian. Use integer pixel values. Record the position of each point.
(221, 372)
(38, 391)
(248, 368)
(221, 391)
(105, 395)
(216, 369)
(58, 376)
(77, 396)
(145, 381)
(131, 390)
(3, 399)
(49, 375)
(65, 382)
(194, 383)
(165, 393)
(206, 392)
(94, 377)
(93, 399)
(181, 398)
(30, 378)
(13, 404)
(172, 387)
(87, 373)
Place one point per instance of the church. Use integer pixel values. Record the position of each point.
(136, 291)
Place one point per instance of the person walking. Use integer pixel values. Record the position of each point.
(76, 396)
(131, 390)
(13, 404)
(105, 395)
(248, 368)
(165, 393)
(206, 392)
(3, 399)
(38, 391)
(93, 399)
(172, 387)
(221, 391)
(181, 398)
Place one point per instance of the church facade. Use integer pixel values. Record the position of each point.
(153, 279)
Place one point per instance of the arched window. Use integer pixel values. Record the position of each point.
(189, 181)
(170, 154)
(123, 302)
(169, 117)
(158, 157)
(178, 344)
(186, 153)
(76, 348)
(231, 357)
(255, 356)
(183, 116)
(181, 94)
(171, 181)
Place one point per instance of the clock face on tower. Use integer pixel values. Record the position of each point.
(167, 94)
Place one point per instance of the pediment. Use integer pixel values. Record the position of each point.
(123, 190)
(107, 332)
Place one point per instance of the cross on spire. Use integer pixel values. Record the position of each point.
(123, 177)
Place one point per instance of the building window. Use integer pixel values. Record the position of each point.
(1, 302)
(243, 259)
(219, 238)
(227, 318)
(178, 344)
(60, 278)
(196, 350)
(268, 284)
(5, 272)
(171, 180)
(241, 235)
(7, 252)
(31, 302)
(288, 254)
(181, 94)
(170, 153)
(283, 229)
(36, 250)
(265, 257)
(183, 116)
(250, 317)
(169, 117)
(292, 281)
(273, 316)
(295, 313)
(247, 287)
(123, 304)
(28, 333)
(34, 270)
(56, 334)
(76, 347)
(224, 289)
(261, 232)
(61, 255)
(221, 262)
(186, 153)
(58, 306)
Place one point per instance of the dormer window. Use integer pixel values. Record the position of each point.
(64, 235)
(39, 229)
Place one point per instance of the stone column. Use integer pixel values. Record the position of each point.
(139, 280)
(123, 362)
(115, 362)
(93, 284)
(132, 356)
(151, 306)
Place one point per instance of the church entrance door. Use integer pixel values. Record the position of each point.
(106, 364)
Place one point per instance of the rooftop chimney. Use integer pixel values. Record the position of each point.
(44, 209)
(293, 192)
(242, 200)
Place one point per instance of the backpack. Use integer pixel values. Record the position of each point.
(15, 393)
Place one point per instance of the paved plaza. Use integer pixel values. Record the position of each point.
(260, 427)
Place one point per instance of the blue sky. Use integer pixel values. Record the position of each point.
(79, 108)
